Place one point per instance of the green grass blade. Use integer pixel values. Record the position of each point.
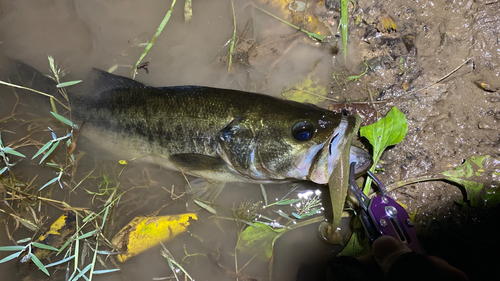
(39, 264)
(12, 248)
(52, 148)
(264, 194)
(60, 262)
(104, 271)
(205, 206)
(23, 240)
(87, 268)
(38, 92)
(11, 151)
(153, 40)
(88, 234)
(43, 246)
(67, 84)
(41, 150)
(10, 257)
(64, 120)
(49, 183)
(1, 143)
(3, 170)
(343, 23)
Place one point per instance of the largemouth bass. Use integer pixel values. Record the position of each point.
(218, 134)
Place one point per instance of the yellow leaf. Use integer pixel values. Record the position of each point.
(143, 233)
(307, 91)
(59, 232)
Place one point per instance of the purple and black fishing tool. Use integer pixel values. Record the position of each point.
(382, 215)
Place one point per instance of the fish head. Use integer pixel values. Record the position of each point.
(299, 143)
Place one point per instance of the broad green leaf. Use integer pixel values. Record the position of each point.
(67, 84)
(56, 143)
(388, 131)
(64, 120)
(10, 257)
(13, 152)
(39, 264)
(41, 150)
(479, 175)
(49, 183)
(12, 248)
(259, 240)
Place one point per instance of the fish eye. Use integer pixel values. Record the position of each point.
(303, 131)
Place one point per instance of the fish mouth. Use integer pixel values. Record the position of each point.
(329, 155)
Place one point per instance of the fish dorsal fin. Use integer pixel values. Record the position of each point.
(104, 82)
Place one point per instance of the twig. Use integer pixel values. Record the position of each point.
(442, 78)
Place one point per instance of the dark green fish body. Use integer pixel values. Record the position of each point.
(219, 134)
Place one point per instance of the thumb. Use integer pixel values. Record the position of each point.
(387, 250)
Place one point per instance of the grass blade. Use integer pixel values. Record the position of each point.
(264, 194)
(64, 120)
(88, 234)
(10, 257)
(43, 246)
(39, 264)
(3, 170)
(23, 240)
(153, 40)
(12, 248)
(343, 23)
(49, 183)
(87, 268)
(205, 206)
(11, 151)
(52, 148)
(38, 92)
(60, 262)
(104, 271)
(41, 150)
(67, 84)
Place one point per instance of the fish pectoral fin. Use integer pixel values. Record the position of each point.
(202, 190)
(197, 162)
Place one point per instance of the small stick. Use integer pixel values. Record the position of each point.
(442, 78)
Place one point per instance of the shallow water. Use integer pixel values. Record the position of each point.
(447, 122)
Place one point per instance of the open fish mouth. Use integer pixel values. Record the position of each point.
(329, 155)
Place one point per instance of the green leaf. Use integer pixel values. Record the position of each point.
(43, 246)
(478, 177)
(205, 206)
(88, 234)
(39, 264)
(49, 183)
(388, 131)
(287, 202)
(12, 248)
(56, 143)
(13, 152)
(3, 170)
(60, 262)
(264, 194)
(41, 150)
(67, 84)
(10, 257)
(87, 268)
(104, 271)
(64, 120)
(357, 245)
(259, 240)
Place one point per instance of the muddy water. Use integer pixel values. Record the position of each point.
(448, 121)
